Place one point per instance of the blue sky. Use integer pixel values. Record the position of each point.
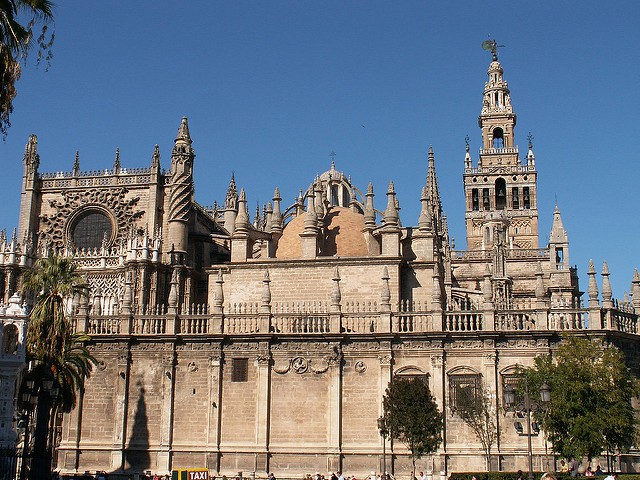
(271, 88)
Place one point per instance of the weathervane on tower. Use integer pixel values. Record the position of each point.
(492, 46)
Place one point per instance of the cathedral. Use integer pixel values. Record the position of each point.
(266, 344)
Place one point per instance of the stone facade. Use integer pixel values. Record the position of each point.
(13, 328)
(267, 345)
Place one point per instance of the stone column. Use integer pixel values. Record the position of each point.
(386, 373)
(215, 411)
(334, 362)
(438, 389)
(263, 363)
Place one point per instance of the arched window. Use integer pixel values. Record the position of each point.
(498, 138)
(501, 194)
(90, 228)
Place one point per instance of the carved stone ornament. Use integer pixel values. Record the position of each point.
(516, 343)
(197, 347)
(385, 359)
(413, 345)
(299, 365)
(152, 347)
(192, 366)
(490, 358)
(360, 347)
(113, 201)
(242, 346)
(101, 365)
(463, 344)
(437, 361)
(263, 358)
(360, 366)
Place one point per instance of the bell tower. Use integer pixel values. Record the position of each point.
(501, 191)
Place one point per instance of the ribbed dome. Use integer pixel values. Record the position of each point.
(344, 235)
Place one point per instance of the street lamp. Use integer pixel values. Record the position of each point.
(38, 394)
(528, 405)
(382, 428)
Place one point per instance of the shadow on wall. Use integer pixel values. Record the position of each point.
(136, 453)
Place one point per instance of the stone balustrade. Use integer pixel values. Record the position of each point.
(320, 318)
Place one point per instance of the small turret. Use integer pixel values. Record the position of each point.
(29, 205)
(607, 293)
(391, 217)
(635, 292)
(231, 206)
(369, 212)
(558, 243)
(276, 216)
(181, 193)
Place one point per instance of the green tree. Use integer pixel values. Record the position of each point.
(18, 18)
(60, 355)
(479, 413)
(411, 415)
(591, 392)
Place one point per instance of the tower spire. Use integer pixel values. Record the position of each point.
(501, 190)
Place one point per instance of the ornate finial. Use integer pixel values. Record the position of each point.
(530, 139)
(76, 164)
(333, 158)
(492, 46)
(155, 158)
(466, 141)
(116, 162)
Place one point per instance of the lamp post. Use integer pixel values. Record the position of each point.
(528, 405)
(39, 393)
(382, 428)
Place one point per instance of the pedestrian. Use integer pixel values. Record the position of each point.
(564, 468)
(574, 466)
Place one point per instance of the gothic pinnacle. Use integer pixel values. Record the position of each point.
(183, 131)
(155, 158)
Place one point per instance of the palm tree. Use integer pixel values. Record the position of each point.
(62, 359)
(15, 41)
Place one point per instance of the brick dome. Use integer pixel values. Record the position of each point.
(343, 235)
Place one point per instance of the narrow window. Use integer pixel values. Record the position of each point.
(487, 236)
(501, 194)
(515, 197)
(475, 200)
(525, 198)
(486, 204)
(346, 197)
(239, 369)
(335, 201)
(498, 137)
(559, 258)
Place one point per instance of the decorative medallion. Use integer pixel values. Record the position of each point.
(360, 366)
(299, 365)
